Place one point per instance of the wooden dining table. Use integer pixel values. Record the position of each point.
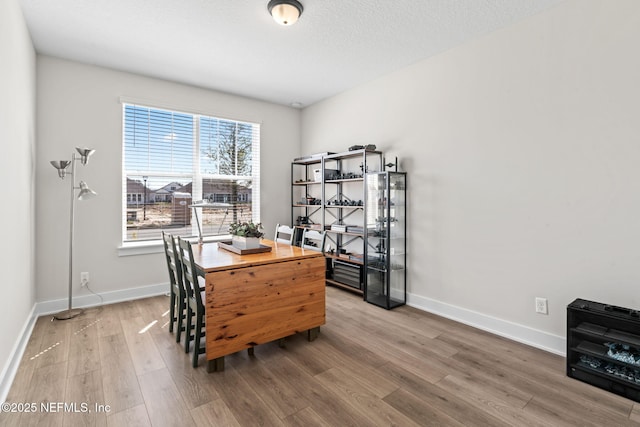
(257, 298)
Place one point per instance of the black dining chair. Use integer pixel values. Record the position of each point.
(178, 292)
(194, 283)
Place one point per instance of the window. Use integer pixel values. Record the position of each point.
(172, 159)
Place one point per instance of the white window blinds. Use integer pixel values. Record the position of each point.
(173, 159)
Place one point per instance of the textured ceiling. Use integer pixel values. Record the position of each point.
(234, 45)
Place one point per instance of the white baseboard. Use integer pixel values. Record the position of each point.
(11, 367)
(55, 306)
(513, 331)
(91, 300)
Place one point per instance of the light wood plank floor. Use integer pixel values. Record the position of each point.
(368, 367)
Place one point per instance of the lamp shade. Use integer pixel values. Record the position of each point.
(84, 154)
(62, 166)
(85, 192)
(285, 12)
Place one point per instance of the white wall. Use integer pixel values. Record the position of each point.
(78, 105)
(17, 173)
(523, 156)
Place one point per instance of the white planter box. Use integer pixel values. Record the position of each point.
(246, 242)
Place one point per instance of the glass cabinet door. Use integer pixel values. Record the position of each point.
(385, 283)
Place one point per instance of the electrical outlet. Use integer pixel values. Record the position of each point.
(541, 306)
(84, 278)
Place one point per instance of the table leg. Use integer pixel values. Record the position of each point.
(313, 333)
(215, 365)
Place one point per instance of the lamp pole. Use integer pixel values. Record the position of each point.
(144, 202)
(70, 312)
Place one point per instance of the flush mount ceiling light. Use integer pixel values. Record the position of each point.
(285, 12)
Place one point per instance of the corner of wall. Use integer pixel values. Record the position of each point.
(11, 366)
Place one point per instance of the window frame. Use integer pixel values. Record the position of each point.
(196, 177)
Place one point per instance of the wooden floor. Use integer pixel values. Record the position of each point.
(368, 367)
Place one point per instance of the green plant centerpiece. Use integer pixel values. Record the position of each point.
(246, 235)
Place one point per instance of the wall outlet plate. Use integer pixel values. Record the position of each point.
(84, 278)
(541, 306)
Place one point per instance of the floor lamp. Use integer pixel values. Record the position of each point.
(85, 193)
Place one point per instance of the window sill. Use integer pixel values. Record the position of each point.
(148, 247)
(141, 248)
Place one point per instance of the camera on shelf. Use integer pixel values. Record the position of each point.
(344, 203)
(311, 201)
(344, 175)
(368, 147)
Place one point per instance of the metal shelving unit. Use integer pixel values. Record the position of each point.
(344, 214)
(306, 194)
(332, 187)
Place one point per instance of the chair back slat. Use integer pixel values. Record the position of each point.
(284, 234)
(190, 272)
(173, 263)
(313, 240)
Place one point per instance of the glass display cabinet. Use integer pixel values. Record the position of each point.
(385, 249)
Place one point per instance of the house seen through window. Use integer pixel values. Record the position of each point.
(173, 159)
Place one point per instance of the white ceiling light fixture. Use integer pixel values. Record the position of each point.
(285, 12)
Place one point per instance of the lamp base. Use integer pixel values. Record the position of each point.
(68, 314)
